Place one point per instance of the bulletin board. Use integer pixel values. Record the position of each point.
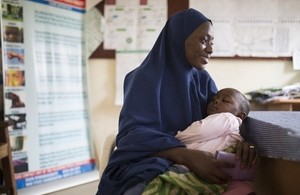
(253, 29)
(256, 28)
(173, 7)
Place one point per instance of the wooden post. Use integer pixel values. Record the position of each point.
(8, 173)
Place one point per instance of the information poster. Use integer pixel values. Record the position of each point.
(45, 89)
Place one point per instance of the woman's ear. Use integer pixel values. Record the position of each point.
(241, 115)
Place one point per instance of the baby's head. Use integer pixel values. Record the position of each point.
(229, 100)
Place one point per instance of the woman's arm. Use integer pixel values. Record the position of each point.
(201, 163)
(205, 165)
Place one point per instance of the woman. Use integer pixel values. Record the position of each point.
(160, 97)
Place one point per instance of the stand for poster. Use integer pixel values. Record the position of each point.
(9, 184)
(62, 184)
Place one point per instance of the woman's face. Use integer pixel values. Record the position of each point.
(198, 46)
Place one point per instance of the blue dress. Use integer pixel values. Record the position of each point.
(161, 96)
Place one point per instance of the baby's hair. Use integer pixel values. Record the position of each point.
(245, 104)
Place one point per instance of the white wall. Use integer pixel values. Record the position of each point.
(245, 75)
(250, 75)
(104, 114)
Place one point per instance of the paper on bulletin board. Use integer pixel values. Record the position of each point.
(94, 30)
(125, 62)
(133, 24)
(220, 12)
(91, 3)
(151, 19)
(258, 28)
(296, 59)
(289, 22)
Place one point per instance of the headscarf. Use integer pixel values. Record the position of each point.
(161, 96)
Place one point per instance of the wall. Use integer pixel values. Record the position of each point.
(104, 114)
(249, 75)
(246, 75)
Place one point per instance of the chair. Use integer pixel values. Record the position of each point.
(9, 184)
(108, 146)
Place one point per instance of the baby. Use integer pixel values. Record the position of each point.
(220, 129)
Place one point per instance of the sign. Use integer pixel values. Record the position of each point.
(45, 89)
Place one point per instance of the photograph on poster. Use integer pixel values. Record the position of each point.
(12, 12)
(21, 165)
(17, 143)
(13, 34)
(14, 78)
(20, 158)
(14, 56)
(14, 99)
(16, 121)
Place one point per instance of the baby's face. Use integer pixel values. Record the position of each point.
(226, 100)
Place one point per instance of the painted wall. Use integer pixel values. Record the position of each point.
(245, 75)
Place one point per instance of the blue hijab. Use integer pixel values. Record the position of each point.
(163, 95)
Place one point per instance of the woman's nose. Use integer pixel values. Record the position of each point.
(209, 48)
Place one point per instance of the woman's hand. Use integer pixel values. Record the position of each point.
(207, 167)
(203, 164)
(247, 153)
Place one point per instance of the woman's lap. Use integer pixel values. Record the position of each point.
(239, 187)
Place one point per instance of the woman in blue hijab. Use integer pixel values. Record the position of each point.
(166, 93)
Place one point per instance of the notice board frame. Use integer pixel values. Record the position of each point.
(173, 7)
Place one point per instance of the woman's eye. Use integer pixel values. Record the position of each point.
(205, 41)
